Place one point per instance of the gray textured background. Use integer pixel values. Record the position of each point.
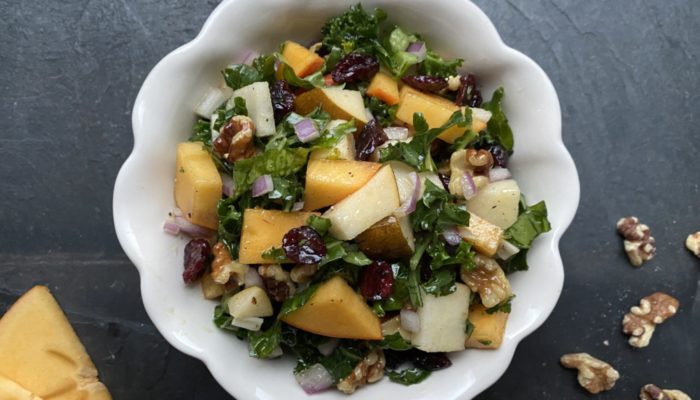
(627, 77)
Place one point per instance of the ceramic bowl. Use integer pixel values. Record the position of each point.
(163, 116)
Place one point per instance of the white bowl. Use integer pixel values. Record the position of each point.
(163, 116)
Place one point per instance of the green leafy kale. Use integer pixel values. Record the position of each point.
(353, 30)
(276, 162)
(381, 111)
(222, 319)
(503, 306)
(320, 224)
(469, 329)
(440, 256)
(297, 301)
(532, 222)
(230, 224)
(417, 151)
(409, 376)
(263, 344)
(201, 132)
(435, 212)
(395, 342)
(240, 75)
(400, 293)
(497, 129)
(308, 82)
(396, 58)
(331, 135)
(442, 282)
(436, 65)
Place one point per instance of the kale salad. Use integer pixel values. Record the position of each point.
(349, 204)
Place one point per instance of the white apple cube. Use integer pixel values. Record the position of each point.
(343, 150)
(252, 302)
(497, 203)
(259, 104)
(376, 200)
(443, 321)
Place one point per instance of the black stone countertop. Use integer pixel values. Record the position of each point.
(628, 79)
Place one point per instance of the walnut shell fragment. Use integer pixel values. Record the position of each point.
(594, 375)
(641, 321)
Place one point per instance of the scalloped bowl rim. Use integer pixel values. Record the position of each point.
(148, 251)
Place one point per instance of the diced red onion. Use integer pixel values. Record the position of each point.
(410, 320)
(248, 56)
(263, 185)
(171, 228)
(228, 185)
(409, 205)
(314, 379)
(298, 206)
(451, 236)
(211, 100)
(396, 133)
(252, 278)
(418, 49)
(468, 186)
(327, 347)
(507, 250)
(498, 174)
(306, 130)
(186, 227)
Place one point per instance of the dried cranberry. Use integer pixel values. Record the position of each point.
(303, 245)
(371, 137)
(499, 154)
(427, 83)
(282, 100)
(377, 281)
(445, 181)
(468, 94)
(197, 254)
(431, 361)
(355, 67)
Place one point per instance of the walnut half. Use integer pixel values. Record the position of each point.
(594, 375)
(653, 392)
(489, 280)
(640, 246)
(641, 321)
(369, 370)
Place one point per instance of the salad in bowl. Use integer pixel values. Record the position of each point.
(348, 203)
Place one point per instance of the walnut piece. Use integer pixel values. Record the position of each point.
(594, 375)
(641, 321)
(278, 282)
(692, 242)
(640, 246)
(224, 270)
(302, 273)
(236, 139)
(653, 392)
(487, 279)
(369, 370)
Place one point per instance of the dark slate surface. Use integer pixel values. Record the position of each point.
(627, 77)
